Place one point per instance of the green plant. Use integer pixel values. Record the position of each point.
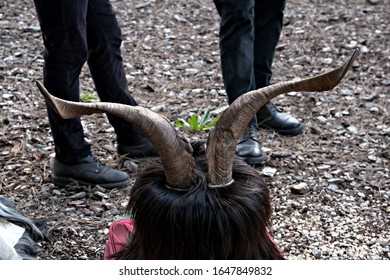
(86, 96)
(196, 122)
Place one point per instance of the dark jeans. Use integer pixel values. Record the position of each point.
(75, 32)
(249, 33)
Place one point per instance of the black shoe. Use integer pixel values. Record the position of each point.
(141, 149)
(271, 118)
(249, 148)
(90, 172)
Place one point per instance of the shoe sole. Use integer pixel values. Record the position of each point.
(63, 182)
(289, 132)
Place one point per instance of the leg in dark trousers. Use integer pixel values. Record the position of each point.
(268, 25)
(75, 32)
(63, 28)
(249, 33)
(106, 65)
(236, 43)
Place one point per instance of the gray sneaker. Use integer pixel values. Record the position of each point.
(90, 172)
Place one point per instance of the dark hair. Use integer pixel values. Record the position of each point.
(201, 222)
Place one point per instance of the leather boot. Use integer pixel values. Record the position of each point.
(90, 172)
(271, 118)
(249, 148)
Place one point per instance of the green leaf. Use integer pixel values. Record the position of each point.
(193, 121)
(212, 123)
(205, 117)
(182, 123)
(86, 96)
(196, 123)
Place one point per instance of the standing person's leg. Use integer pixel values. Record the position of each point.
(63, 25)
(63, 28)
(107, 70)
(268, 27)
(236, 41)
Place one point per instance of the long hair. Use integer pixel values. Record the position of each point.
(201, 222)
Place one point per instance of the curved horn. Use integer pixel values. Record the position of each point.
(175, 151)
(222, 142)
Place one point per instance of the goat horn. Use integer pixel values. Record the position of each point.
(175, 151)
(222, 141)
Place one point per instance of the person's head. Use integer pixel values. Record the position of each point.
(201, 222)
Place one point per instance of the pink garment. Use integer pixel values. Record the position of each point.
(117, 236)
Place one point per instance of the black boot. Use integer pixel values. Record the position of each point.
(90, 172)
(249, 148)
(271, 118)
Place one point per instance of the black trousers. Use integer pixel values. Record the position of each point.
(249, 33)
(75, 32)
